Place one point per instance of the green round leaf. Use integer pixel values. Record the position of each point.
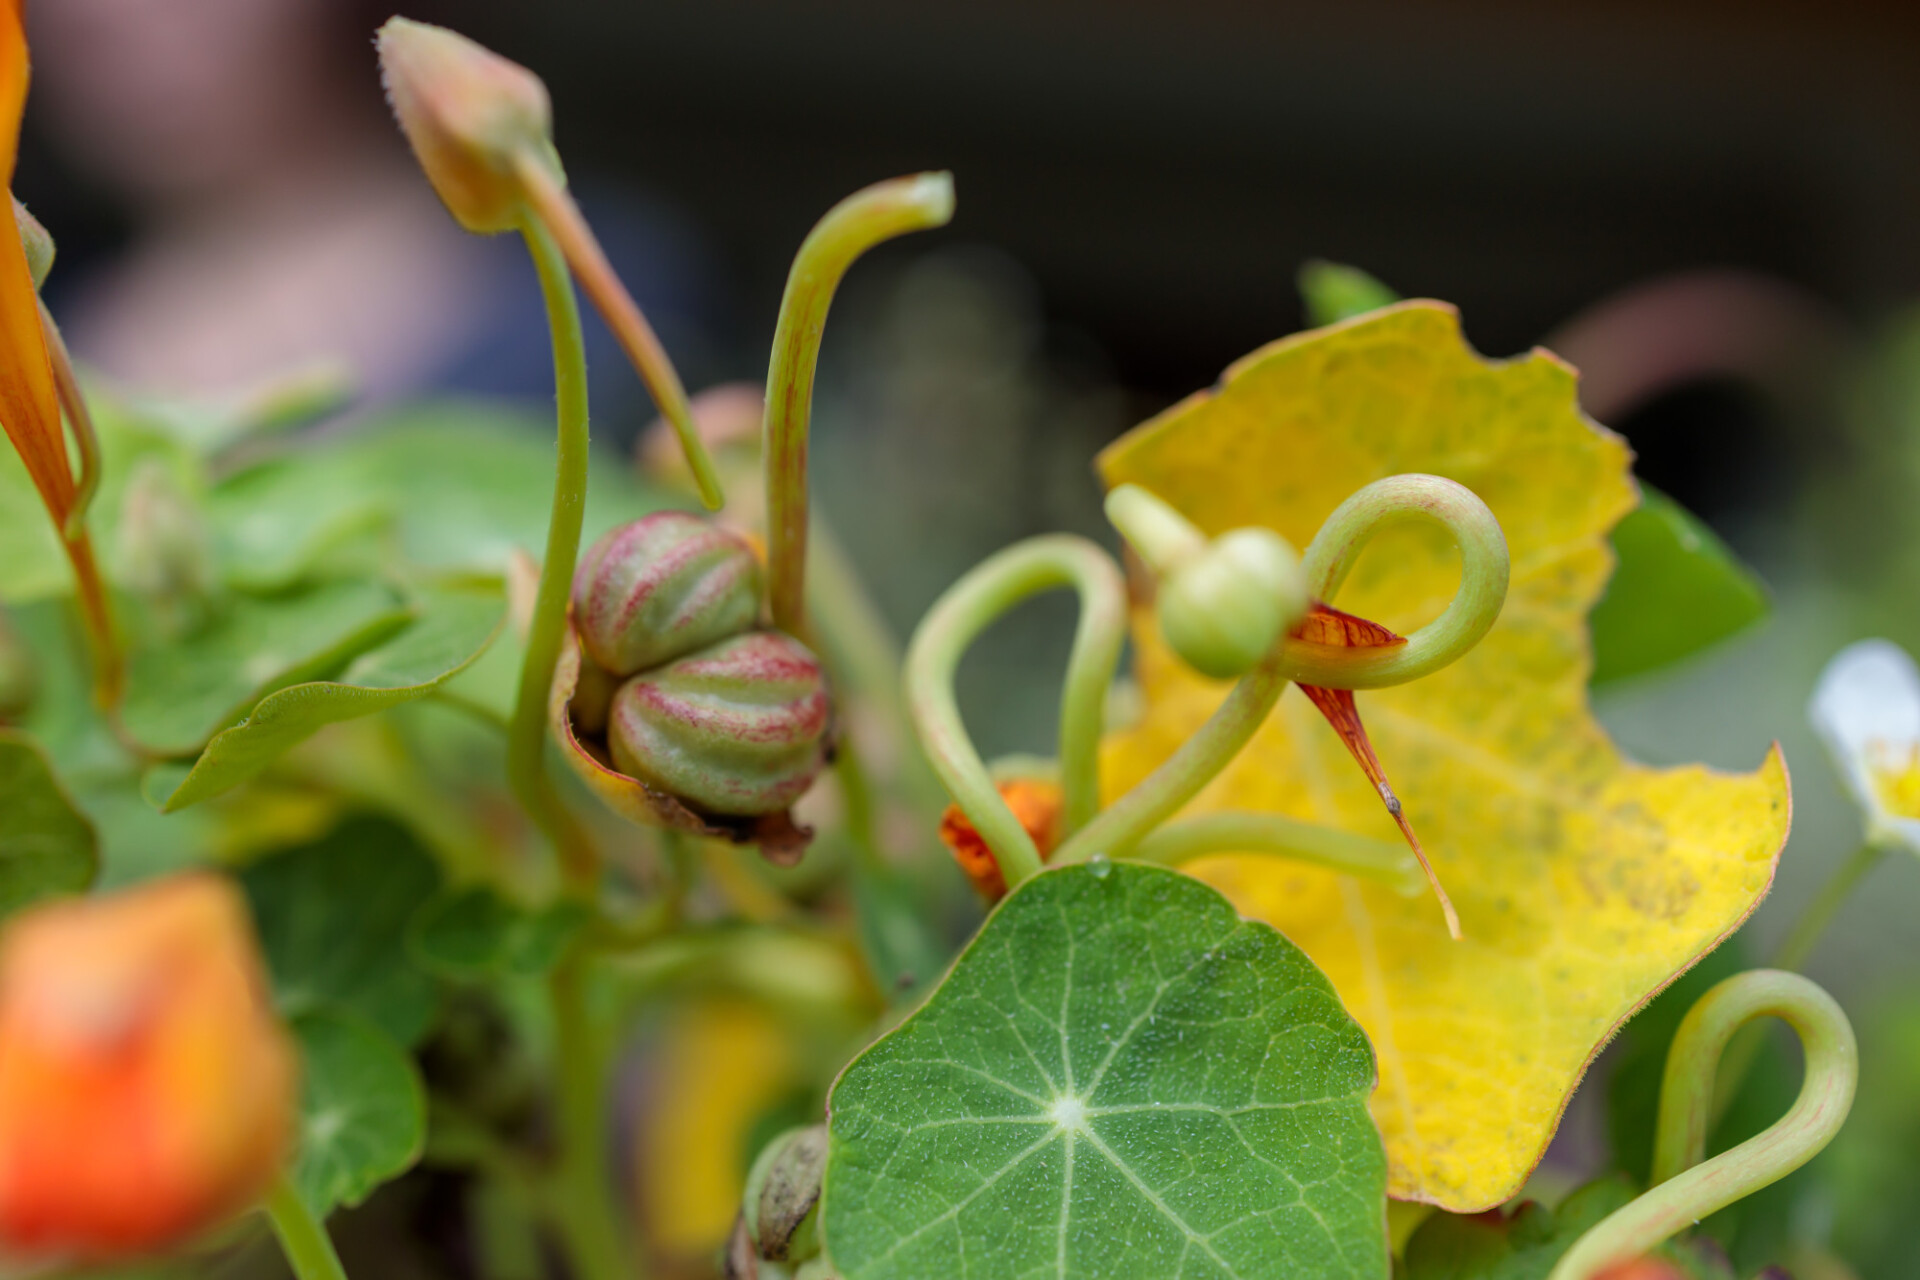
(1120, 1077)
(46, 845)
(363, 1111)
(333, 919)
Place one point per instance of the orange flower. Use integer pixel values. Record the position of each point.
(1036, 804)
(146, 1090)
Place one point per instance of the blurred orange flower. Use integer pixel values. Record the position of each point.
(146, 1089)
(1036, 804)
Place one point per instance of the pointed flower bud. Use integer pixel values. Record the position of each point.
(471, 116)
(145, 1089)
(736, 729)
(660, 588)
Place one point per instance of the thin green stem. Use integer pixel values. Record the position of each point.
(861, 221)
(1685, 1189)
(1163, 537)
(546, 192)
(1185, 839)
(582, 1203)
(302, 1237)
(973, 603)
(1468, 617)
(527, 735)
(1819, 913)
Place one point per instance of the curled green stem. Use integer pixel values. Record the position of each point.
(546, 194)
(855, 225)
(1685, 1189)
(527, 733)
(1185, 839)
(1475, 606)
(989, 590)
(303, 1238)
(1472, 612)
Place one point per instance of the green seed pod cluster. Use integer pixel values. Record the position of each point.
(694, 700)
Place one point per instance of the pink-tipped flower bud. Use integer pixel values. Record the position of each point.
(738, 729)
(471, 116)
(661, 587)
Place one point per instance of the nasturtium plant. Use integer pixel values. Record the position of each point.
(1120, 1076)
(350, 818)
(1584, 882)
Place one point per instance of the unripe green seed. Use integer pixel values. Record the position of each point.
(739, 728)
(661, 587)
(1223, 608)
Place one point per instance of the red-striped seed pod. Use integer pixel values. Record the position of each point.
(738, 729)
(661, 587)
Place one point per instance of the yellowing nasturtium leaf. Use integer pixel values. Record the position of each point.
(1584, 882)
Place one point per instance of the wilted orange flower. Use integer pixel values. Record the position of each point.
(1036, 804)
(145, 1088)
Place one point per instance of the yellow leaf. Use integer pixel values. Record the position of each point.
(1585, 882)
(724, 1064)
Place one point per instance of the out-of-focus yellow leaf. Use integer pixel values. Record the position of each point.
(1585, 882)
(723, 1064)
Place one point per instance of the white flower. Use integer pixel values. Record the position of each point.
(1867, 708)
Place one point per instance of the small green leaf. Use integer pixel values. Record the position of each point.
(1675, 590)
(363, 1111)
(179, 694)
(474, 933)
(46, 846)
(455, 627)
(1120, 1077)
(333, 919)
(1334, 292)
